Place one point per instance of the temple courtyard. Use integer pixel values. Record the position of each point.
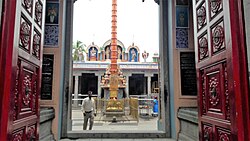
(111, 123)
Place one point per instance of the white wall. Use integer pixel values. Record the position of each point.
(1, 1)
(246, 4)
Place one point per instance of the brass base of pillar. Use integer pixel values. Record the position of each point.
(114, 105)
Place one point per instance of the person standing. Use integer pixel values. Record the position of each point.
(88, 109)
(155, 107)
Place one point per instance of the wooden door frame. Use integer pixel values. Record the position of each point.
(166, 123)
(6, 57)
(240, 70)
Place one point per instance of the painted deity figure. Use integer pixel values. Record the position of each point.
(145, 55)
(107, 53)
(119, 53)
(133, 55)
(93, 52)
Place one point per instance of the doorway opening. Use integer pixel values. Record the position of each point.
(138, 66)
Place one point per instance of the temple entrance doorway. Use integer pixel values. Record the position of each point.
(137, 84)
(88, 83)
(138, 77)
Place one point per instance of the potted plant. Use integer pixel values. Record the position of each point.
(52, 14)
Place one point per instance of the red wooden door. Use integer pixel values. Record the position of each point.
(25, 70)
(222, 82)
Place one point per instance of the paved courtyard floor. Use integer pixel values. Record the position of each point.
(146, 122)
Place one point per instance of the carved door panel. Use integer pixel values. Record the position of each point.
(214, 45)
(26, 76)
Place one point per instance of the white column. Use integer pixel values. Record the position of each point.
(149, 85)
(76, 89)
(99, 86)
(127, 87)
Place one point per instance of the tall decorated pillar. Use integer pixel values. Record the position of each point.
(113, 81)
(113, 67)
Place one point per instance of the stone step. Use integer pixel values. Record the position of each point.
(117, 139)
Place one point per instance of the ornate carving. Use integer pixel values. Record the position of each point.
(207, 133)
(203, 48)
(203, 84)
(218, 38)
(36, 44)
(213, 92)
(34, 95)
(201, 17)
(181, 38)
(215, 5)
(51, 35)
(18, 136)
(25, 34)
(223, 136)
(226, 92)
(27, 4)
(38, 12)
(27, 90)
(16, 94)
(30, 135)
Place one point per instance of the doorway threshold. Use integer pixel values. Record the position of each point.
(122, 134)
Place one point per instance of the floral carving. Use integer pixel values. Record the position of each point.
(213, 91)
(34, 95)
(218, 38)
(201, 16)
(51, 35)
(28, 5)
(38, 12)
(36, 45)
(215, 5)
(25, 35)
(207, 133)
(27, 90)
(31, 133)
(203, 48)
(18, 136)
(223, 136)
(16, 91)
(203, 82)
(226, 93)
(181, 38)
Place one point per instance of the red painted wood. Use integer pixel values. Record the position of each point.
(6, 52)
(221, 63)
(21, 52)
(239, 60)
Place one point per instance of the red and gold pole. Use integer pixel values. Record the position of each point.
(113, 68)
(114, 38)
